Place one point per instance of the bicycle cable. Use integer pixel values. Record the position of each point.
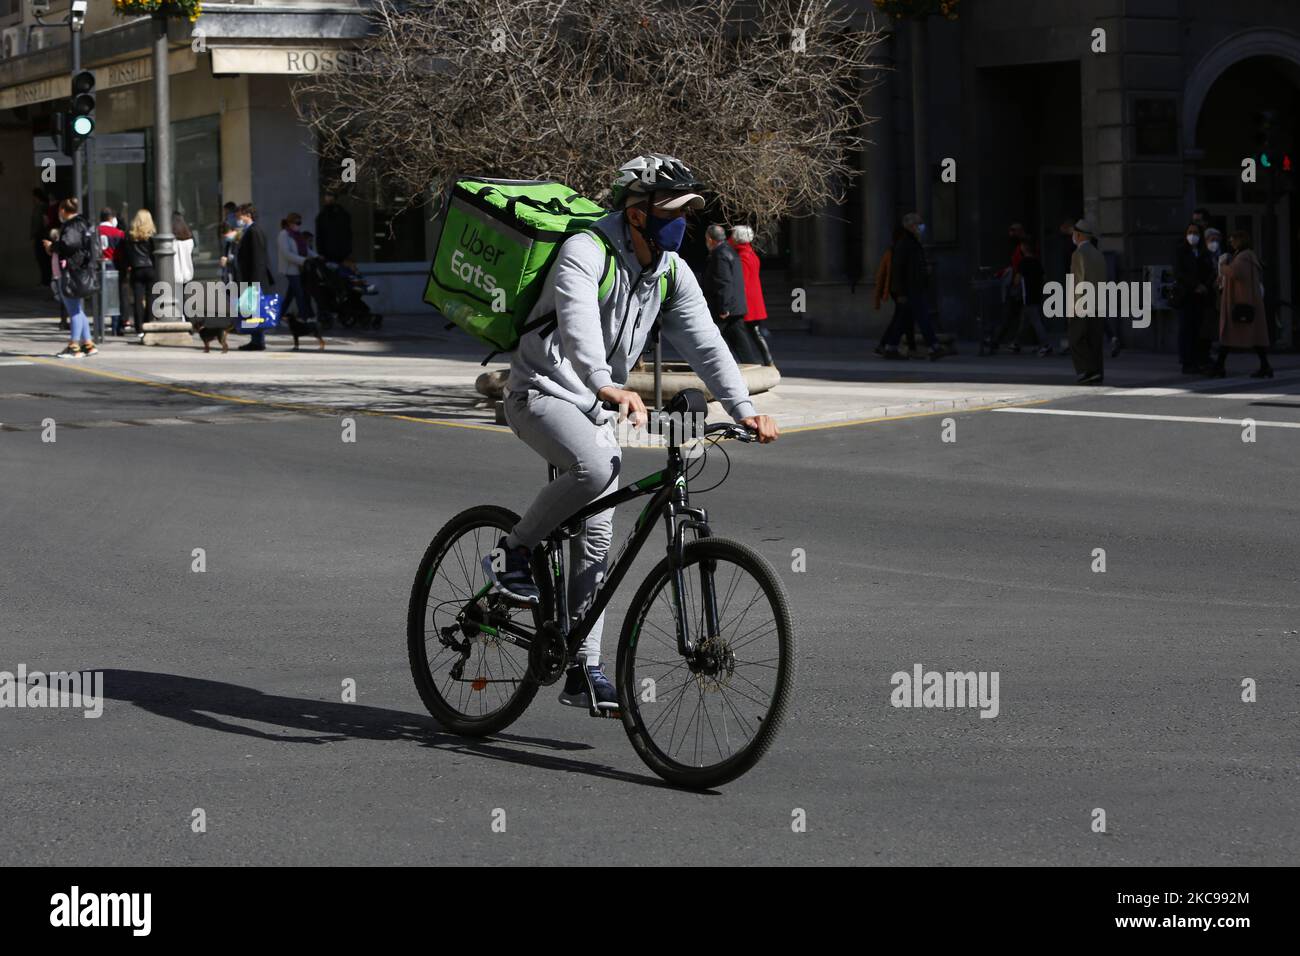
(704, 458)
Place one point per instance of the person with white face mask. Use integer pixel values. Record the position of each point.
(1193, 278)
(1215, 249)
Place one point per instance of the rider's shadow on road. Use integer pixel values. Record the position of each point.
(216, 705)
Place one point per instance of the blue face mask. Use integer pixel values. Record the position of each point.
(666, 233)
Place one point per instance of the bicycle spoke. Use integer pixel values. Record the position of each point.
(495, 669)
(766, 628)
(712, 732)
(740, 718)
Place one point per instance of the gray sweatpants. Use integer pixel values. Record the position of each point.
(589, 459)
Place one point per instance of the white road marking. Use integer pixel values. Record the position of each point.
(1169, 392)
(1147, 418)
(13, 362)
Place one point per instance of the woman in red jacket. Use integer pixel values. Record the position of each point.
(742, 238)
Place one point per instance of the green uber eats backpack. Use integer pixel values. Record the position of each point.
(494, 242)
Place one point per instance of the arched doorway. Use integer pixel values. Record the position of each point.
(1246, 92)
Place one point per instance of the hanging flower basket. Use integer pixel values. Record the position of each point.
(190, 9)
(918, 9)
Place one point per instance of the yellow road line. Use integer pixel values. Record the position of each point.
(288, 406)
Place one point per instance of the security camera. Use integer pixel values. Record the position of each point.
(79, 13)
(39, 8)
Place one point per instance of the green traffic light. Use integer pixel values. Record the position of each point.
(83, 125)
(1264, 161)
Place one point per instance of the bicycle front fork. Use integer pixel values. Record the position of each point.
(697, 520)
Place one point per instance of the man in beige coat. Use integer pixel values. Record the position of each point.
(1087, 332)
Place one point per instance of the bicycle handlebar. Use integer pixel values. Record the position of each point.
(731, 429)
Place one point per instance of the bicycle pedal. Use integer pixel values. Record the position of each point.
(508, 601)
(605, 713)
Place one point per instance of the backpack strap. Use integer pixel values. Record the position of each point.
(607, 274)
(668, 284)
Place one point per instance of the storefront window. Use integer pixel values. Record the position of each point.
(385, 227)
(382, 229)
(122, 187)
(196, 183)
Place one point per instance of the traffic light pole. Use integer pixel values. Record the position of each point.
(77, 181)
(83, 187)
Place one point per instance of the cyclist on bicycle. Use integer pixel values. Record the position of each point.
(558, 381)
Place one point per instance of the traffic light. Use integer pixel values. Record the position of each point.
(1264, 125)
(79, 121)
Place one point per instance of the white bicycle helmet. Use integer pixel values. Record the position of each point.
(655, 173)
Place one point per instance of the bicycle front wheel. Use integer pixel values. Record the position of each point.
(703, 723)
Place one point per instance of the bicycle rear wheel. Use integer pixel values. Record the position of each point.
(469, 675)
(700, 725)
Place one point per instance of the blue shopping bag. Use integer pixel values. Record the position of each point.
(267, 317)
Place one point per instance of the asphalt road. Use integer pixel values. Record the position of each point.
(1118, 690)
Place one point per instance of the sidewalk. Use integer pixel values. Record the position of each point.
(414, 367)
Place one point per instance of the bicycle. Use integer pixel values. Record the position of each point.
(696, 663)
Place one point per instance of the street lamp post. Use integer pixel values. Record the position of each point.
(164, 248)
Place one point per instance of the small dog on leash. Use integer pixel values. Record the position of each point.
(208, 335)
(300, 327)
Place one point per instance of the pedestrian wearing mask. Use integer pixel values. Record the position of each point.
(1193, 277)
(293, 249)
(1242, 324)
(78, 251)
(112, 240)
(254, 266)
(1214, 248)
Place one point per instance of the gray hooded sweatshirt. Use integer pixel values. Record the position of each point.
(595, 343)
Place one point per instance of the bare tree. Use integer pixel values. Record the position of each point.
(763, 97)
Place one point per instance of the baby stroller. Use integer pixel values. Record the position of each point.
(339, 291)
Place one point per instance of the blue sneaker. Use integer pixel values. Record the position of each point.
(583, 684)
(515, 583)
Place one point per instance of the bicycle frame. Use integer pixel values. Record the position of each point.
(671, 501)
